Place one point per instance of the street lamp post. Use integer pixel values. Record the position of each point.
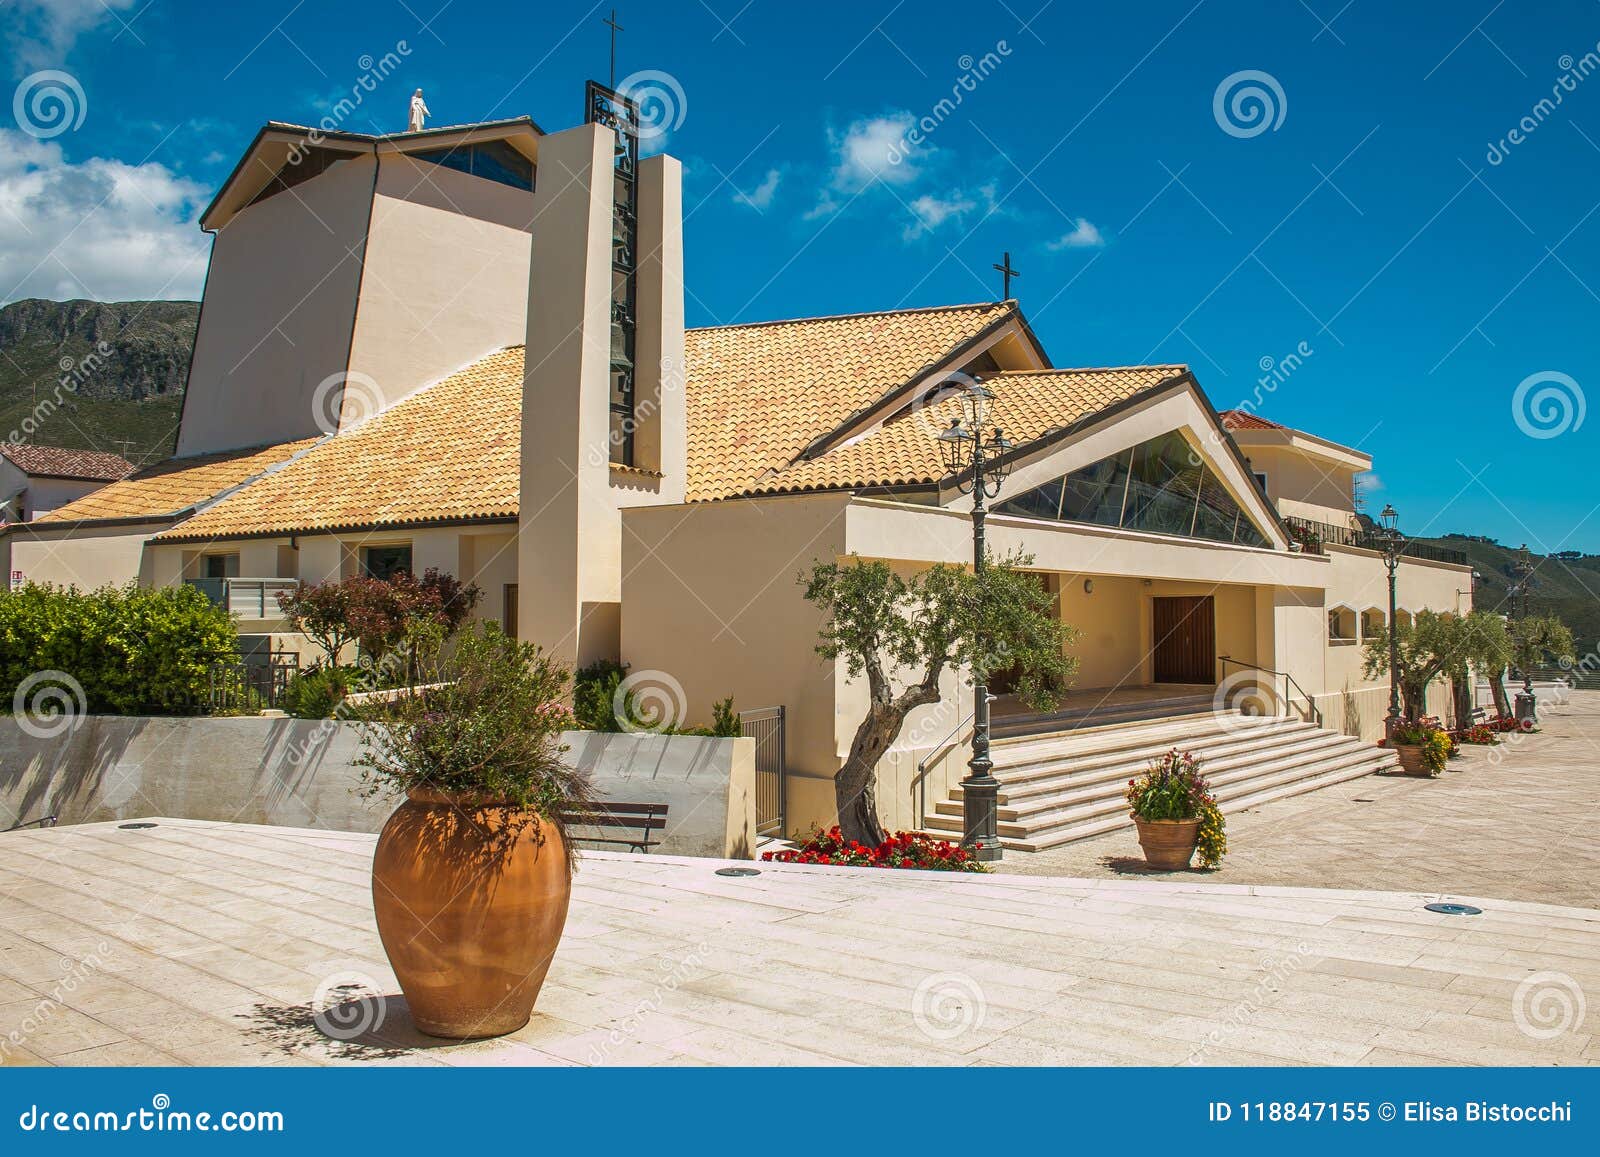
(1527, 704)
(1392, 542)
(963, 446)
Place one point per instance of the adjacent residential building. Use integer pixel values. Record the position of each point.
(464, 348)
(34, 480)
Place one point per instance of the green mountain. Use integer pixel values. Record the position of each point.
(95, 375)
(1566, 584)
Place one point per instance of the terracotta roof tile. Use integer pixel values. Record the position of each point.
(59, 462)
(759, 394)
(905, 452)
(175, 485)
(1245, 420)
(450, 452)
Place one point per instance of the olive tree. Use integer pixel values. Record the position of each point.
(903, 634)
(1435, 644)
(1537, 636)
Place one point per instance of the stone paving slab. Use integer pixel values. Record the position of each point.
(204, 943)
(1518, 821)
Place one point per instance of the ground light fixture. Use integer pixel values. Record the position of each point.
(137, 827)
(978, 465)
(739, 872)
(1454, 909)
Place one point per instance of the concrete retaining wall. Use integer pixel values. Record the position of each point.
(302, 773)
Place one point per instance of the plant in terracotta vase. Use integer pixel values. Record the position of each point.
(1423, 747)
(1176, 814)
(473, 871)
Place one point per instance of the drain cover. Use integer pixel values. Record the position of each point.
(738, 871)
(1454, 909)
(135, 827)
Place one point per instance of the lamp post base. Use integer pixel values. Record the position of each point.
(1526, 708)
(980, 809)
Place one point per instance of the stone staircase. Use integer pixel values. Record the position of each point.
(1060, 785)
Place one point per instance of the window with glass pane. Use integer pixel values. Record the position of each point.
(1162, 486)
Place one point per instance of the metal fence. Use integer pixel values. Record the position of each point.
(1327, 532)
(251, 686)
(765, 726)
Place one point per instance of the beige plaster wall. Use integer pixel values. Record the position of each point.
(65, 557)
(280, 302)
(1305, 486)
(711, 603)
(446, 279)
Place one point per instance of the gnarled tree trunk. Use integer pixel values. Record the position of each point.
(1497, 688)
(856, 784)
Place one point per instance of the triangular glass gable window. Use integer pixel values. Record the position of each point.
(1162, 486)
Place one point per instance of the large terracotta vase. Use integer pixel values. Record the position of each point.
(1168, 844)
(470, 898)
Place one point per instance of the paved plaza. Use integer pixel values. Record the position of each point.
(1518, 821)
(217, 944)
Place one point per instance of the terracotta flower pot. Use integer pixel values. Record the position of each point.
(1411, 760)
(1168, 844)
(470, 898)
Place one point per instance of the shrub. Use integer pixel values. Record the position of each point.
(1173, 788)
(594, 690)
(317, 693)
(487, 729)
(134, 650)
(1479, 735)
(725, 720)
(377, 613)
(899, 850)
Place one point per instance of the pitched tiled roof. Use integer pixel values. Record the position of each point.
(1245, 420)
(452, 451)
(757, 397)
(1028, 406)
(759, 394)
(175, 485)
(59, 462)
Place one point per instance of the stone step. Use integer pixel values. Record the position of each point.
(1042, 823)
(1045, 772)
(1068, 721)
(1184, 734)
(1220, 771)
(1058, 790)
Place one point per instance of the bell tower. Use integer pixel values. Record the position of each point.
(603, 413)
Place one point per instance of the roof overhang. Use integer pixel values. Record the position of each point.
(1307, 444)
(277, 141)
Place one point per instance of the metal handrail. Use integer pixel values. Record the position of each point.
(41, 822)
(938, 752)
(1288, 681)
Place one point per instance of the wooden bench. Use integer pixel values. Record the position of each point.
(604, 814)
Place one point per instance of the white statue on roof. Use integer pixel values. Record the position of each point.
(419, 110)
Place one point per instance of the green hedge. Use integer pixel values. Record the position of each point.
(134, 651)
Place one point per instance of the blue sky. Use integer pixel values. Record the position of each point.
(1441, 304)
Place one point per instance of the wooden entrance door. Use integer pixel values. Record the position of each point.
(1185, 638)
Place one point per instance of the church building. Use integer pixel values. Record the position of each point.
(464, 348)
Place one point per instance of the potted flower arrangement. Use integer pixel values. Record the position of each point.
(1176, 814)
(1423, 747)
(473, 871)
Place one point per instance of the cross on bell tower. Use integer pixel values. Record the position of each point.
(611, 23)
(1006, 274)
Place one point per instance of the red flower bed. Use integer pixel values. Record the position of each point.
(900, 850)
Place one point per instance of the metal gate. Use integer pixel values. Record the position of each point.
(765, 726)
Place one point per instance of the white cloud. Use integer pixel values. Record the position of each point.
(760, 198)
(98, 228)
(930, 211)
(42, 32)
(1084, 235)
(875, 149)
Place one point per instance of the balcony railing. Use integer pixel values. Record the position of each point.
(251, 598)
(1327, 532)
